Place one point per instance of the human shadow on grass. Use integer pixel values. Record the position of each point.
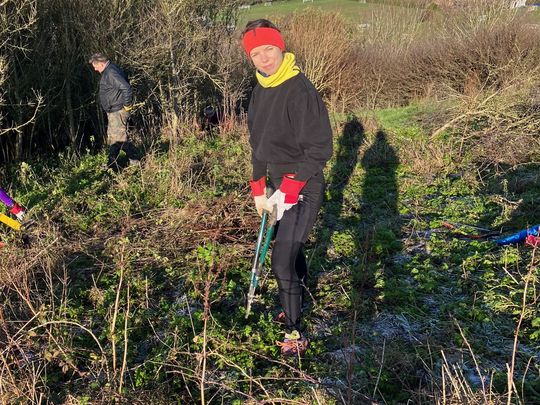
(349, 143)
(377, 233)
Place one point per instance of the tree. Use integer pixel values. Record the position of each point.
(17, 27)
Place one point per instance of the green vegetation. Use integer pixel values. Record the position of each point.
(130, 287)
(353, 9)
(162, 280)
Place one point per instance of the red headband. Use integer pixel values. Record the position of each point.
(262, 36)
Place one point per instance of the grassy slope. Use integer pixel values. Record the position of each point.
(354, 10)
(392, 289)
(390, 285)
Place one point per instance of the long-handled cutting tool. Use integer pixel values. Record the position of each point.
(266, 231)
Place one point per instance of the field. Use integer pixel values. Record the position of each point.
(130, 286)
(354, 10)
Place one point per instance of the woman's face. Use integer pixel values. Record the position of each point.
(266, 58)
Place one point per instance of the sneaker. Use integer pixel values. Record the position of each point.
(294, 344)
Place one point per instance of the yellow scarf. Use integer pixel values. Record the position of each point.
(286, 70)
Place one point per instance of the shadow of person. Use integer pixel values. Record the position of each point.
(346, 159)
(378, 230)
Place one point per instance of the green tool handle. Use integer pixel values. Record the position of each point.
(255, 266)
(266, 246)
(259, 241)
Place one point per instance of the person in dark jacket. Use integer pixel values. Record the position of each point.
(212, 117)
(291, 141)
(116, 98)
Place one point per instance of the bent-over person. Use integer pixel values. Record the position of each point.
(116, 98)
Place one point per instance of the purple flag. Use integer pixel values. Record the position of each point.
(6, 199)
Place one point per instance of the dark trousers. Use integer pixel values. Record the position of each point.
(288, 260)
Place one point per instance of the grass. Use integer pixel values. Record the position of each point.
(396, 119)
(135, 283)
(352, 9)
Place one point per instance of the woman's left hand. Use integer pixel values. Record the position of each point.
(278, 200)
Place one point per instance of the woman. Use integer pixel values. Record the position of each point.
(291, 141)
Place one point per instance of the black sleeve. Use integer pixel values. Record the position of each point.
(259, 167)
(120, 82)
(312, 129)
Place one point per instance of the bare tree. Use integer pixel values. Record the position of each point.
(17, 25)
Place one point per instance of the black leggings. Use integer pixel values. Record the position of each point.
(288, 260)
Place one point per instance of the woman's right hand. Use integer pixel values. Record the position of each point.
(261, 203)
(258, 191)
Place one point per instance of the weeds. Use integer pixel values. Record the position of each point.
(140, 295)
(135, 283)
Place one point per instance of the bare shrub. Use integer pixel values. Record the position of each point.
(395, 27)
(468, 16)
(322, 43)
(17, 27)
(404, 3)
(404, 57)
(491, 78)
(185, 54)
(25, 299)
(500, 127)
(173, 52)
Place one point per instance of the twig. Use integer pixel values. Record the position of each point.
(115, 312)
(124, 360)
(380, 369)
(19, 127)
(474, 359)
(528, 277)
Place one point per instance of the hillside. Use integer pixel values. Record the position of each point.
(137, 282)
(131, 287)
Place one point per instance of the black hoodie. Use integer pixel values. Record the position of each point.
(289, 129)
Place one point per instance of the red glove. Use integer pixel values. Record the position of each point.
(291, 188)
(18, 211)
(258, 186)
(532, 240)
(258, 191)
